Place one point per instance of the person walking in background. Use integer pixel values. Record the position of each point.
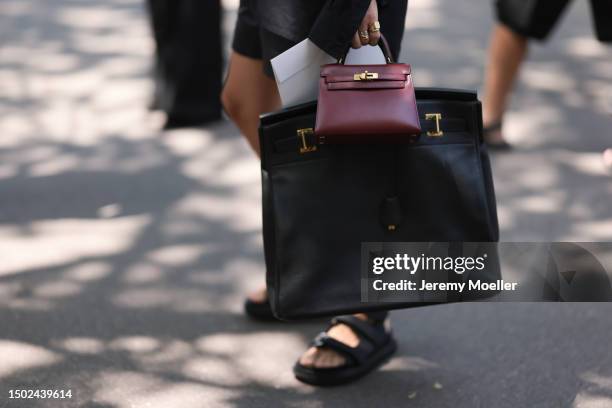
(518, 22)
(188, 60)
(352, 345)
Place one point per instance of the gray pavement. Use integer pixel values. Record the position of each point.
(125, 252)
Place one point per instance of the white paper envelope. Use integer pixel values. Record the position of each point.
(297, 70)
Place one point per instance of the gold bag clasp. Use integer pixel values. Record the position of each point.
(305, 147)
(365, 76)
(437, 117)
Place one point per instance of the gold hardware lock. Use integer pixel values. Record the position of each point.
(437, 117)
(305, 148)
(365, 76)
(391, 227)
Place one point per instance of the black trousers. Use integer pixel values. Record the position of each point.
(188, 58)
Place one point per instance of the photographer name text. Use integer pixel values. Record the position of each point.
(476, 285)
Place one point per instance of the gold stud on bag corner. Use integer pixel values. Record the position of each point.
(305, 147)
(437, 117)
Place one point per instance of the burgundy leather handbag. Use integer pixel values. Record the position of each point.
(366, 103)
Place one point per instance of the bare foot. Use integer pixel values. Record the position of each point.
(259, 296)
(607, 159)
(326, 358)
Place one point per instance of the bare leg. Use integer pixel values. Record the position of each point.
(607, 158)
(507, 51)
(248, 93)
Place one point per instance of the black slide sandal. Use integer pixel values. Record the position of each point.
(261, 311)
(375, 346)
(495, 146)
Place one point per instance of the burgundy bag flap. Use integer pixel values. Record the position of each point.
(384, 84)
(349, 70)
(341, 77)
(380, 76)
(343, 73)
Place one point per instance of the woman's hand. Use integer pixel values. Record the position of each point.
(369, 30)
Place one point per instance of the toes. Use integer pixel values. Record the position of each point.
(326, 358)
(321, 358)
(308, 358)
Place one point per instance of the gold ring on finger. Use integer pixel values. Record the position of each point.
(364, 35)
(374, 27)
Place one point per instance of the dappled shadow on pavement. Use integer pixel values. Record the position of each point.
(126, 252)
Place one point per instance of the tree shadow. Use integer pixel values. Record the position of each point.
(125, 255)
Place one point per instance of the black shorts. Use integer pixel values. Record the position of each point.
(253, 41)
(537, 18)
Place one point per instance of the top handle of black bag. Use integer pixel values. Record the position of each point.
(384, 46)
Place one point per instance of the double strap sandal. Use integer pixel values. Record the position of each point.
(376, 345)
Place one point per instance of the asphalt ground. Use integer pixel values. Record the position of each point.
(125, 252)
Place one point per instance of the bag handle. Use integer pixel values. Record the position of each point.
(384, 46)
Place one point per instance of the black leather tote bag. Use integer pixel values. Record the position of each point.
(320, 202)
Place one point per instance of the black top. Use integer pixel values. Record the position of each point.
(291, 19)
(330, 24)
